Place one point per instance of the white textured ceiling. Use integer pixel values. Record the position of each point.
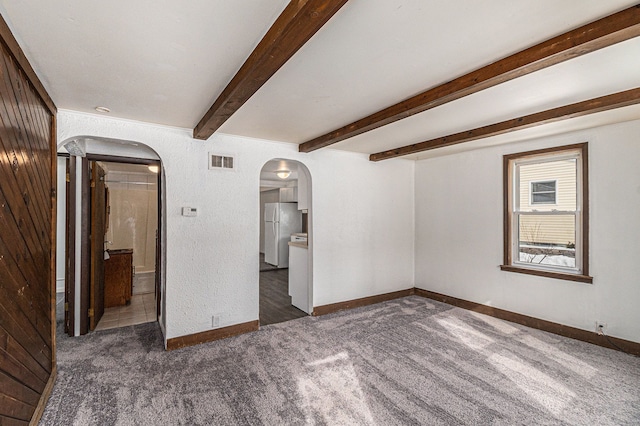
(165, 62)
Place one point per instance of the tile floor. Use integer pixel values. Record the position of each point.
(142, 309)
(144, 282)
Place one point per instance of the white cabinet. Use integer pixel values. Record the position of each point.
(289, 195)
(299, 278)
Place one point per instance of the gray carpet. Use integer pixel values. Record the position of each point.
(408, 361)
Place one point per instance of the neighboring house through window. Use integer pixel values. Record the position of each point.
(543, 192)
(546, 213)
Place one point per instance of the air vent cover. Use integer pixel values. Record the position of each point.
(224, 162)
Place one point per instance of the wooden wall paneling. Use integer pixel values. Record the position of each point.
(24, 144)
(25, 107)
(16, 299)
(27, 234)
(31, 257)
(12, 408)
(30, 372)
(19, 272)
(37, 350)
(16, 253)
(11, 422)
(27, 339)
(12, 45)
(16, 171)
(17, 392)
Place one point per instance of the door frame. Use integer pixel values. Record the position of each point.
(70, 246)
(70, 274)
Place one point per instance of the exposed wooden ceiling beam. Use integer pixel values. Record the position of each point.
(299, 21)
(605, 32)
(592, 106)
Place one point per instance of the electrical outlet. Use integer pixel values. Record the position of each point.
(215, 321)
(600, 327)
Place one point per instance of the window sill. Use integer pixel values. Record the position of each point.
(557, 275)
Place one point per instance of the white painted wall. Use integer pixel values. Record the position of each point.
(363, 215)
(459, 233)
(61, 193)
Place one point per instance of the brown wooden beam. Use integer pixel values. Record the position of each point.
(596, 35)
(299, 21)
(12, 45)
(591, 106)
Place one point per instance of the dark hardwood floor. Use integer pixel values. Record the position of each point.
(264, 266)
(275, 302)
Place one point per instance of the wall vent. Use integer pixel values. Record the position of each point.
(221, 162)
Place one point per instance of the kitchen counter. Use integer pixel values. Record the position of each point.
(301, 244)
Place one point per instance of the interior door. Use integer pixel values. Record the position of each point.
(98, 227)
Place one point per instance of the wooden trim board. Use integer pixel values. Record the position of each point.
(565, 112)
(599, 34)
(297, 23)
(357, 303)
(212, 335)
(548, 326)
(42, 403)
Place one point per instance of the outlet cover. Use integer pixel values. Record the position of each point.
(215, 321)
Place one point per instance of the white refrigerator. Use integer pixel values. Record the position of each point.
(280, 221)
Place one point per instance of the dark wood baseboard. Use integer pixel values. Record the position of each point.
(42, 403)
(548, 326)
(211, 335)
(551, 327)
(357, 303)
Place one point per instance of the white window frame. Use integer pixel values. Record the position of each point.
(513, 212)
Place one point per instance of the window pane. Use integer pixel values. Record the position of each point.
(543, 198)
(544, 186)
(547, 186)
(547, 239)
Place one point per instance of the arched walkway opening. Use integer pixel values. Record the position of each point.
(286, 241)
(111, 210)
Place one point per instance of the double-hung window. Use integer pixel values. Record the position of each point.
(546, 213)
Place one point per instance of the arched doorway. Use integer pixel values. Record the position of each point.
(101, 171)
(286, 241)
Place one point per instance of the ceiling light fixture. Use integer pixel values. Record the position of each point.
(283, 174)
(154, 169)
(102, 109)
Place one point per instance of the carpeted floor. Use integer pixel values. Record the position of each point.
(408, 361)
